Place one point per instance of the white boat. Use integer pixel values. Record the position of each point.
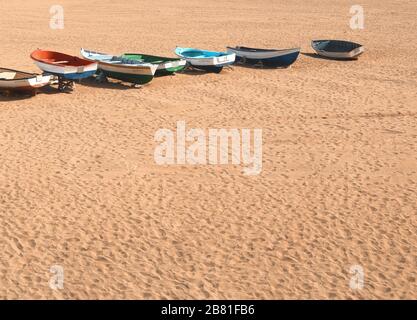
(122, 68)
(337, 49)
(212, 61)
(13, 80)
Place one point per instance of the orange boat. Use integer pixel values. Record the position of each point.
(63, 65)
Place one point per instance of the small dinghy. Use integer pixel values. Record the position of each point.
(337, 49)
(63, 65)
(272, 58)
(210, 61)
(121, 68)
(13, 80)
(166, 66)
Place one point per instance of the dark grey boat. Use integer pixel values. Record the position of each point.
(337, 49)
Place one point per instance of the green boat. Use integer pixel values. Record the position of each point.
(120, 68)
(166, 66)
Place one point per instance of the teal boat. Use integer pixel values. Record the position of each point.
(211, 61)
(166, 66)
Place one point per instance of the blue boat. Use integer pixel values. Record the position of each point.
(211, 61)
(271, 58)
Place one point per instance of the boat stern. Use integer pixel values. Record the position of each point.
(173, 64)
(153, 68)
(224, 60)
(40, 81)
(357, 52)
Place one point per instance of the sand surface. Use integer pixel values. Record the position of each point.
(79, 186)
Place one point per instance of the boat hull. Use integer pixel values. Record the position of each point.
(341, 55)
(212, 63)
(138, 75)
(70, 73)
(131, 78)
(24, 85)
(266, 58)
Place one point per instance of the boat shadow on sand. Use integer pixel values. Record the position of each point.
(190, 71)
(14, 97)
(259, 66)
(111, 84)
(317, 56)
(17, 96)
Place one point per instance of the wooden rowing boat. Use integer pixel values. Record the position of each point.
(63, 65)
(13, 80)
(337, 49)
(121, 68)
(272, 58)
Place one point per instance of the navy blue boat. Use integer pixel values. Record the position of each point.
(271, 58)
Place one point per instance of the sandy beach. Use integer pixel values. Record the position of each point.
(80, 189)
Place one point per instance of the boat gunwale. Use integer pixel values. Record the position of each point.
(139, 66)
(221, 53)
(356, 46)
(61, 65)
(259, 50)
(30, 75)
(124, 66)
(167, 59)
